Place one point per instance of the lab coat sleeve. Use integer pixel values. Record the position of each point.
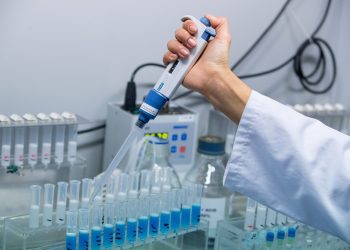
(293, 164)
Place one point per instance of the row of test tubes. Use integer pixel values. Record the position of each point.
(135, 208)
(267, 229)
(43, 138)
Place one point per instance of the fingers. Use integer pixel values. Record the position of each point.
(178, 48)
(190, 27)
(169, 57)
(185, 38)
(220, 24)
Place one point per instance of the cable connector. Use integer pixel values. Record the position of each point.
(130, 97)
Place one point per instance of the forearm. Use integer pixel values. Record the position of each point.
(228, 94)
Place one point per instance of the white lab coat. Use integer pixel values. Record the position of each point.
(293, 164)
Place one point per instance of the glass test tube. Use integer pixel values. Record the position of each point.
(46, 137)
(110, 189)
(108, 227)
(186, 208)
(5, 141)
(59, 137)
(155, 203)
(260, 216)
(84, 222)
(35, 206)
(167, 173)
(71, 232)
(165, 212)
(96, 230)
(271, 218)
(144, 200)
(33, 138)
(281, 220)
(250, 215)
(196, 204)
(72, 136)
(132, 207)
(86, 186)
(121, 210)
(269, 240)
(175, 210)
(280, 238)
(291, 237)
(61, 202)
(74, 189)
(19, 140)
(49, 192)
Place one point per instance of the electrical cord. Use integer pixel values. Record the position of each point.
(88, 130)
(143, 66)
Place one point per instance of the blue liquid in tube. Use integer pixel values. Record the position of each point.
(185, 217)
(96, 238)
(71, 241)
(108, 236)
(196, 214)
(154, 225)
(175, 220)
(120, 233)
(164, 222)
(143, 228)
(131, 231)
(83, 240)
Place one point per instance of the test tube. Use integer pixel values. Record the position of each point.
(46, 136)
(269, 240)
(49, 192)
(132, 207)
(167, 173)
(71, 232)
(61, 201)
(291, 237)
(59, 137)
(96, 230)
(74, 188)
(5, 141)
(196, 204)
(98, 198)
(72, 136)
(84, 222)
(35, 206)
(121, 210)
(155, 203)
(271, 217)
(165, 212)
(281, 220)
(110, 189)
(33, 138)
(250, 215)
(144, 200)
(186, 208)
(280, 238)
(19, 140)
(108, 227)
(86, 185)
(175, 209)
(260, 216)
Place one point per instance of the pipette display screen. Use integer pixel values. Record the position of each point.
(160, 135)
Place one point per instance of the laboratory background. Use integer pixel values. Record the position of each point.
(73, 75)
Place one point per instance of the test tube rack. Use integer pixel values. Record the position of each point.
(38, 140)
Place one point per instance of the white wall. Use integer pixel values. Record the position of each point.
(77, 55)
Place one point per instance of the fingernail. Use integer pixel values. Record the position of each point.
(183, 52)
(193, 28)
(191, 42)
(173, 57)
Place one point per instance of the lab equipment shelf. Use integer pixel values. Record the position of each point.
(18, 235)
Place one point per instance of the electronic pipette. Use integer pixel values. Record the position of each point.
(164, 89)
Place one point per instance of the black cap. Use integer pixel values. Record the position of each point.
(211, 145)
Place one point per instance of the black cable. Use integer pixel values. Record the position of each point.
(143, 66)
(88, 130)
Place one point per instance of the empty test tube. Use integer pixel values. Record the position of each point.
(121, 210)
(175, 210)
(144, 200)
(71, 232)
(46, 136)
(35, 206)
(96, 230)
(86, 185)
(74, 189)
(19, 140)
(72, 136)
(33, 138)
(132, 207)
(61, 202)
(196, 204)
(84, 223)
(186, 208)
(167, 173)
(250, 215)
(49, 192)
(154, 204)
(59, 137)
(108, 226)
(5, 141)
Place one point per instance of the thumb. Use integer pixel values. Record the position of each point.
(220, 24)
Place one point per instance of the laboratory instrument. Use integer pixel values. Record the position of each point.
(96, 230)
(19, 140)
(84, 226)
(74, 194)
(49, 193)
(209, 171)
(5, 141)
(61, 202)
(33, 138)
(71, 231)
(35, 206)
(72, 128)
(59, 138)
(46, 138)
(86, 187)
